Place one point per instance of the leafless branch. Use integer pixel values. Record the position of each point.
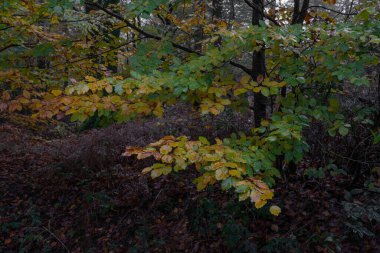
(338, 12)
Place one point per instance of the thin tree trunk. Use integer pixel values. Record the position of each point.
(232, 10)
(217, 11)
(258, 67)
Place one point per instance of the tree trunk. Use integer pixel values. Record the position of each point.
(232, 10)
(217, 6)
(258, 67)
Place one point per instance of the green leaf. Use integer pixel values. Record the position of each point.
(43, 50)
(376, 139)
(343, 130)
(228, 183)
(265, 91)
(242, 188)
(203, 140)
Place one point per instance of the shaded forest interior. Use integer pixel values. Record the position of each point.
(190, 126)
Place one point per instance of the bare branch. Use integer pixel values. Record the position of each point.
(8, 46)
(99, 54)
(338, 12)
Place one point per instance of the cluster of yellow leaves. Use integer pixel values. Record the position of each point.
(83, 99)
(216, 97)
(264, 85)
(15, 79)
(6, 103)
(127, 96)
(216, 162)
(215, 106)
(329, 1)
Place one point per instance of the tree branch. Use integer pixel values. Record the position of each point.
(252, 5)
(156, 37)
(8, 46)
(338, 12)
(99, 54)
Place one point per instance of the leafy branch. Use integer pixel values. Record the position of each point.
(156, 37)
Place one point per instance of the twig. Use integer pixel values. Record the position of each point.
(155, 199)
(56, 237)
(332, 10)
(99, 54)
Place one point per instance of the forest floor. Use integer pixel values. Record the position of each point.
(74, 192)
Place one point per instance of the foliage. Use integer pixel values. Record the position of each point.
(307, 68)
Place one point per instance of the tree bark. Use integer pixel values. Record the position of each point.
(299, 14)
(217, 11)
(232, 10)
(258, 67)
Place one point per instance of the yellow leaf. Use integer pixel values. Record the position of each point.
(275, 210)
(167, 159)
(165, 149)
(214, 111)
(260, 78)
(218, 141)
(6, 96)
(221, 173)
(201, 185)
(90, 79)
(212, 90)
(192, 156)
(257, 89)
(155, 173)
(23, 101)
(260, 203)
(56, 92)
(203, 181)
(231, 165)
(14, 106)
(225, 101)
(204, 109)
(239, 91)
(26, 94)
(211, 158)
(253, 83)
(158, 110)
(267, 194)
(217, 165)
(179, 152)
(255, 196)
(146, 170)
(108, 88)
(235, 173)
(115, 99)
(129, 151)
(166, 170)
(54, 19)
(244, 195)
(245, 79)
(265, 123)
(261, 184)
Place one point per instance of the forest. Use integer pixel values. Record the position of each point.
(240, 126)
